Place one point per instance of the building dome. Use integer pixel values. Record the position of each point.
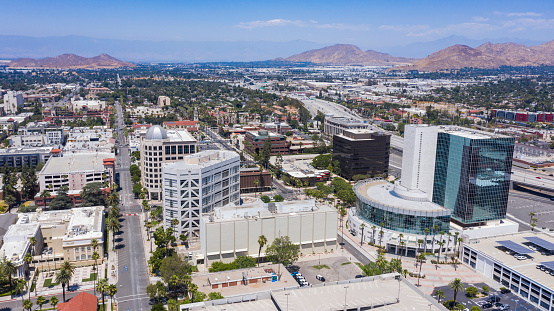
(156, 132)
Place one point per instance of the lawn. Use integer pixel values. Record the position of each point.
(319, 267)
(345, 263)
(91, 278)
(49, 282)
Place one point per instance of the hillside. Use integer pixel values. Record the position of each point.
(346, 54)
(70, 61)
(488, 55)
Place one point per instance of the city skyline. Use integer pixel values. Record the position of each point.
(366, 24)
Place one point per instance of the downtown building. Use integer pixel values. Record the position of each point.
(197, 184)
(453, 179)
(159, 146)
(362, 152)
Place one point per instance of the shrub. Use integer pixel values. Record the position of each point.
(472, 291)
(265, 199)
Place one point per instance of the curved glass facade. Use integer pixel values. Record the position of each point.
(401, 222)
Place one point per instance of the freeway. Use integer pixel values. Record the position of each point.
(132, 270)
(328, 108)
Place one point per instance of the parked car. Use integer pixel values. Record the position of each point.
(504, 291)
(487, 305)
(495, 298)
(359, 276)
(320, 277)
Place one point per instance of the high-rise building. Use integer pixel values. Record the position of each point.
(12, 100)
(159, 146)
(197, 184)
(362, 152)
(472, 174)
(337, 125)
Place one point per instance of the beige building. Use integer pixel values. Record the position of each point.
(159, 146)
(233, 231)
(164, 101)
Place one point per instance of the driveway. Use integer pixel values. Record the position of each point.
(340, 268)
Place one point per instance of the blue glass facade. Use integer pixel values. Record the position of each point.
(472, 176)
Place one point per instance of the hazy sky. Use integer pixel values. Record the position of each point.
(365, 23)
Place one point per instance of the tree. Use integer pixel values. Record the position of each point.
(61, 201)
(113, 198)
(278, 198)
(472, 291)
(45, 194)
(257, 184)
(440, 294)
(266, 153)
(102, 288)
(421, 259)
(174, 265)
(426, 230)
(475, 308)
(112, 290)
(92, 195)
(137, 189)
(156, 291)
(282, 251)
(41, 301)
(215, 296)
(113, 226)
(158, 307)
(29, 183)
(53, 301)
(27, 305)
(8, 268)
(20, 286)
(63, 277)
(362, 238)
(456, 285)
(262, 241)
(95, 256)
(265, 199)
(485, 290)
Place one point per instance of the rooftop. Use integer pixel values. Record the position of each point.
(203, 159)
(345, 121)
(385, 194)
(22, 150)
(492, 248)
(299, 166)
(76, 162)
(469, 133)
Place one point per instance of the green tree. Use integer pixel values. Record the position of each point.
(472, 291)
(456, 285)
(265, 199)
(63, 277)
(41, 301)
(485, 290)
(102, 288)
(113, 198)
(266, 153)
(92, 195)
(215, 296)
(282, 251)
(475, 308)
(53, 301)
(8, 268)
(45, 194)
(137, 189)
(113, 226)
(278, 198)
(262, 241)
(112, 290)
(27, 305)
(440, 294)
(61, 201)
(174, 265)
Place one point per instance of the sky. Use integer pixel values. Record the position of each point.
(366, 23)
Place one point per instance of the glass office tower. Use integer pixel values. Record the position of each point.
(472, 175)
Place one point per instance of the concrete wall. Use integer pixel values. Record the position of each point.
(418, 161)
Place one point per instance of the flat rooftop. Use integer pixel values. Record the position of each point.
(86, 222)
(262, 210)
(299, 166)
(76, 162)
(384, 293)
(469, 133)
(204, 159)
(491, 248)
(345, 121)
(382, 192)
(180, 136)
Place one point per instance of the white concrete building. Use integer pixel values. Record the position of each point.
(76, 170)
(197, 184)
(88, 105)
(233, 230)
(336, 125)
(12, 100)
(164, 101)
(17, 243)
(157, 147)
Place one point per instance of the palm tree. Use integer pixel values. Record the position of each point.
(440, 294)
(456, 234)
(426, 230)
(63, 277)
(262, 241)
(95, 256)
(33, 241)
(447, 244)
(113, 198)
(421, 259)
(435, 228)
(102, 287)
(456, 286)
(402, 249)
(27, 305)
(400, 236)
(112, 290)
(174, 223)
(373, 228)
(20, 287)
(441, 233)
(40, 301)
(460, 240)
(362, 239)
(381, 232)
(441, 243)
(8, 268)
(257, 184)
(419, 242)
(173, 282)
(44, 195)
(53, 301)
(113, 226)
(28, 259)
(531, 215)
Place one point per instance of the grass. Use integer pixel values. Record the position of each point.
(48, 283)
(345, 263)
(319, 267)
(91, 278)
(360, 265)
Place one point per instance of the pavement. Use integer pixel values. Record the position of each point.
(340, 268)
(132, 271)
(520, 204)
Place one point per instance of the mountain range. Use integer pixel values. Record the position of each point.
(347, 54)
(70, 61)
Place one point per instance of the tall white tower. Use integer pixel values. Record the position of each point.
(195, 113)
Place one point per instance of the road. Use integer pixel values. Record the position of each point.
(132, 270)
(348, 247)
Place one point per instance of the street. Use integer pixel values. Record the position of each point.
(132, 270)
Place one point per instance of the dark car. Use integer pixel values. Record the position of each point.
(487, 305)
(359, 276)
(493, 299)
(498, 304)
(505, 291)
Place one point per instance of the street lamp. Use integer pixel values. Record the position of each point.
(288, 294)
(345, 292)
(517, 301)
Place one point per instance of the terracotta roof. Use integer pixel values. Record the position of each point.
(82, 302)
(180, 123)
(55, 151)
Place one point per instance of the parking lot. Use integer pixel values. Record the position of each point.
(340, 268)
(520, 204)
(510, 299)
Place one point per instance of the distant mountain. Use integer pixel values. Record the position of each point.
(346, 54)
(150, 51)
(70, 61)
(424, 49)
(488, 55)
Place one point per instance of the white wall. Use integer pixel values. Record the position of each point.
(418, 160)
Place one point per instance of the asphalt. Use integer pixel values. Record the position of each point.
(16, 304)
(520, 204)
(133, 272)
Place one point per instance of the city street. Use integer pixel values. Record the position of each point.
(132, 270)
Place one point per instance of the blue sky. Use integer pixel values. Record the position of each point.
(365, 23)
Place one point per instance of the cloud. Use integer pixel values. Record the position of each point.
(520, 24)
(518, 14)
(425, 30)
(300, 23)
(480, 19)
